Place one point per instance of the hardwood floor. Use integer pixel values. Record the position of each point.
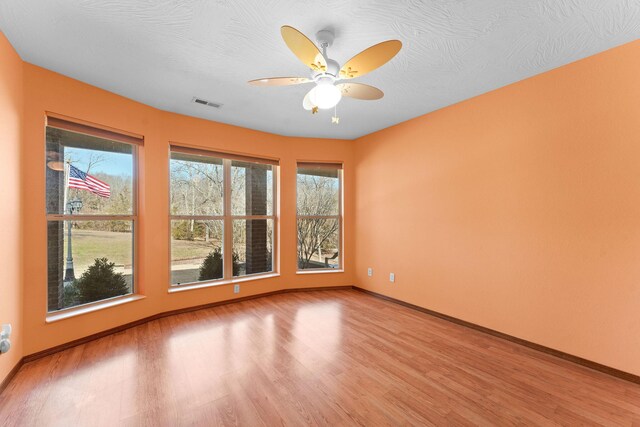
(318, 358)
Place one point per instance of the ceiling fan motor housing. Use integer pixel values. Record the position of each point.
(332, 72)
(325, 38)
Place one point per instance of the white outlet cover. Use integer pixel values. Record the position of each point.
(370, 272)
(392, 277)
(6, 329)
(236, 289)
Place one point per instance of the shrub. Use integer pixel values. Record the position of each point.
(212, 265)
(100, 281)
(181, 231)
(70, 295)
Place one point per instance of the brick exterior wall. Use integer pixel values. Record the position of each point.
(55, 253)
(55, 230)
(257, 257)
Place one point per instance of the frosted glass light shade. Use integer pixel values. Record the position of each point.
(325, 96)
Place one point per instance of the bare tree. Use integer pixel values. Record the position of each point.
(197, 189)
(94, 159)
(317, 207)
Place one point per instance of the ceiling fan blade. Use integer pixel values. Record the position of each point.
(360, 91)
(279, 81)
(370, 59)
(303, 48)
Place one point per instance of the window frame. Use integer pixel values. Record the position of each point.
(340, 168)
(82, 127)
(227, 216)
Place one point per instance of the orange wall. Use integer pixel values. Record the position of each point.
(51, 92)
(518, 210)
(10, 224)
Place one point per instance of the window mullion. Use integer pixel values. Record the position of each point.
(197, 217)
(250, 217)
(79, 217)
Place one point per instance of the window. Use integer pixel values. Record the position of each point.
(319, 208)
(91, 214)
(222, 216)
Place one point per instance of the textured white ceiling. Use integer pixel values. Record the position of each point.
(163, 53)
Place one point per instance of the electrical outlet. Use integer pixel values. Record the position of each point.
(370, 272)
(236, 289)
(6, 330)
(392, 277)
(5, 342)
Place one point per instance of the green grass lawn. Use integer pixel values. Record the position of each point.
(89, 245)
(117, 247)
(185, 249)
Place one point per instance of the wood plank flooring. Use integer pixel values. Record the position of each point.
(311, 358)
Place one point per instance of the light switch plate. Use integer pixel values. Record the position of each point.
(392, 277)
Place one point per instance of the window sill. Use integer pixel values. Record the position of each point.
(90, 308)
(180, 288)
(327, 271)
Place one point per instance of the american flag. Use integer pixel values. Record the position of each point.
(84, 181)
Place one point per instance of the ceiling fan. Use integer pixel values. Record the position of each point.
(325, 72)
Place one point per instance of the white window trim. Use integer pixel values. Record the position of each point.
(215, 283)
(91, 307)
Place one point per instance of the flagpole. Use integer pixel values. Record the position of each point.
(69, 275)
(66, 185)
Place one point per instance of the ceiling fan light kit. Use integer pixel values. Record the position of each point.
(325, 95)
(325, 72)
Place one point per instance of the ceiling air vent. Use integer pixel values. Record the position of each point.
(205, 102)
